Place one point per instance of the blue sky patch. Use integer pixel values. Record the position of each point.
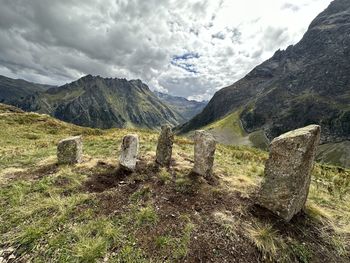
(181, 61)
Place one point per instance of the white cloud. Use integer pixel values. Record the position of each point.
(151, 40)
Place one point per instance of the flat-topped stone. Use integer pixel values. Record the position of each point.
(165, 146)
(204, 150)
(129, 152)
(288, 171)
(70, 150)
(304, 131)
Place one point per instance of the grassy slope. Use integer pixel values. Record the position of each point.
(94, 211)
(336, 153)
(229, 131)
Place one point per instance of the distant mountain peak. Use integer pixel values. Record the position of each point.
(103, 103)
(187, 108)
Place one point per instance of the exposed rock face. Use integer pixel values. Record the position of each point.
(129, 152)
(98, 102)
(307, 83)
(204, 150)
(70, 150)
(288, 171)
(165, 146)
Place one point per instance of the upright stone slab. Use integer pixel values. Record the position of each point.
(129, 152)
(204, 150)
(70, 150)
(165, 146)
(288, 171)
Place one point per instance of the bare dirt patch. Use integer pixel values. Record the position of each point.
(210, 241)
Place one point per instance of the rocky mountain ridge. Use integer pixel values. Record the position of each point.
(12, 90)
(305, 84)
(54, 100)
(98, 102)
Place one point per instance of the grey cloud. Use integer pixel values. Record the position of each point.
(290, 6)
(274, 36)
(59, 41)
(36, 32)
(189, 86)
(235, 34)
(219, 35)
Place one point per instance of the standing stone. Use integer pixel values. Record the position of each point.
(288, 171)
(165, 146)
(204, 150)
(129, 152)
(70, 150)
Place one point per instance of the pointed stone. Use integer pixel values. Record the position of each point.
(129, 152)
(165, 146)
(204, 150)
(70, 150)
(288, 171)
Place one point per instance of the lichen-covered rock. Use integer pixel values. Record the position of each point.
(165, 146)
(129, 152)
(70, 150)
(204, 150)
(288, 171)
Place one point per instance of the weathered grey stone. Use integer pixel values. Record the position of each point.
(165, 146)
(288, 171)
(70, 150)
(204, 150)
(129, 152)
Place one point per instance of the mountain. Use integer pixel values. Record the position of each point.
(96, 212)
(15, 89)
(187, 108)
(306, 83)
(98, 102)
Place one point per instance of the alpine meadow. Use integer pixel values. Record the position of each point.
(175, 131)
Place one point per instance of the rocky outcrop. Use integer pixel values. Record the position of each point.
(288, 171)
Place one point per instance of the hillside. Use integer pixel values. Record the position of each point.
(187, 108)
(94, 212)
(93, 101)
(13, 89)
(306, 83)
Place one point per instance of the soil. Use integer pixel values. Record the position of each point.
(210, 241)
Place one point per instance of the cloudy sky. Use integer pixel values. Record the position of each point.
(184, 47)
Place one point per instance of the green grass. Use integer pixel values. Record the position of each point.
(47, 213)
(267, 240)
(231, 122)
(335, 153)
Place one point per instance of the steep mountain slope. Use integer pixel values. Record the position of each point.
(14, 89)
(307, 83)
(187, 108)
(103, 103)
